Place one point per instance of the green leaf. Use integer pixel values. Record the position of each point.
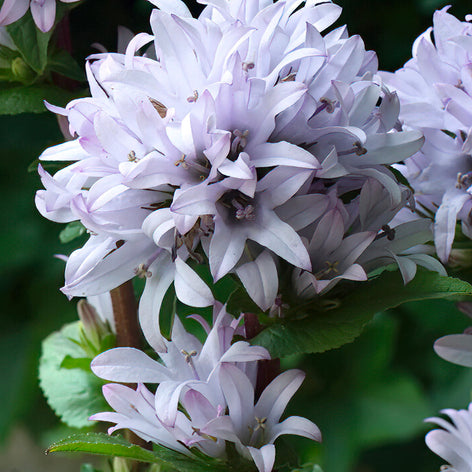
(320, 330)
(116, 446)
(73, 393)
(20, 99)
(76, 363)
(72, 231)
(30, 42)
(63, 63)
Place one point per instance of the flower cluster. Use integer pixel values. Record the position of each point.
(213, 383)
(43, 11)
(244, 139)
(453, 443)
(435, 92)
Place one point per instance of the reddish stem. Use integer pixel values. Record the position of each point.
(267, 369)
(125, 313)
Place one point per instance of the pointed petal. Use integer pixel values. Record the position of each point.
(455, 348)
(296, 425)
(44, 15)
(277, 394)
(163, 271)
(242, 351)
(189, 287)
(13, 10)
(128, 365)
(260, 280)
(445, 222)
(264, 457)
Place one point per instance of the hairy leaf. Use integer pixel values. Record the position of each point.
(320, 329)
(73, 393)
(116, 446)
(21, 99)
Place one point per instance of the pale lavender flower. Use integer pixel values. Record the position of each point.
(186, 364)
(213, 383)
(453, 442)
(254, 427)
(43, 11)
(223, 148)
(435, 90)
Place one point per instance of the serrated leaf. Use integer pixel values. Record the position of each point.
(320, 331)
(74, 394)
(72, 231)
(30, 42)
(20, 99)
(116, 446)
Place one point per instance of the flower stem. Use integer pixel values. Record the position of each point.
(125, 313)
(267, 369)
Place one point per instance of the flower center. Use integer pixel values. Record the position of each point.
(240, 206)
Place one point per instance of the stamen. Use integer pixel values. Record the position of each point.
(357, 149)
(181, 162)
(387, 232)
(239, 141)
(188, 359)
(193, 98)
(142, 271)
(160, 108)
(289, 78)
(248, 66)
(132, 156)
(198, 432)
(261, 423)
(331, 267)
(325, 104)
(244, 212)
(464, 180)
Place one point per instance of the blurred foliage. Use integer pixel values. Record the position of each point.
(369, 397)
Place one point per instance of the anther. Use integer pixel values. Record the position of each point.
(159, 107)
(464, 180)
(289, 78)
(142, 271)
(188, 355)
(132, 156)
(181, 162)
(247, 66)
(193, 98)
(261, 423)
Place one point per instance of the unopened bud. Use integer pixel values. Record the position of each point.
(22, 71)
(94, 328)
(460, 259)
(120, 465)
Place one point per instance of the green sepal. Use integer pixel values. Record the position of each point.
(73, 230)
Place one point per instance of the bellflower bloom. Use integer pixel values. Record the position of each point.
(225, 142)
(187, 364)
(435, 92)
(43, 11)
(453, 442)
(214, 383)
(254, 427)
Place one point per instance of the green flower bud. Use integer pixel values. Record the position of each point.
(22, 71)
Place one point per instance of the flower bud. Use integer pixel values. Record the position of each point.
(95, 330)
(460, 259)
(120, 465)
(22, 71)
